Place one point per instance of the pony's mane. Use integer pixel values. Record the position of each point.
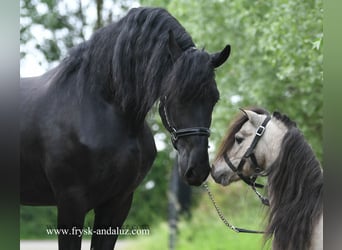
(229, 139)
(284, 119)
(295, 182)
(296, 188)
(126, 62)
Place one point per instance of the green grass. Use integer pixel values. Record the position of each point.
(203, 231)
(206, 231)
(201, 235)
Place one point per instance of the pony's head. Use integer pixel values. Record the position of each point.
(186, 106)
(252, 144)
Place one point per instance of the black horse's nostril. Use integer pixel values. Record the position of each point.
(195, 176)
(189, 173)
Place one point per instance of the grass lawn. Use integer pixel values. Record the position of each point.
(203, 231)
(206, 231)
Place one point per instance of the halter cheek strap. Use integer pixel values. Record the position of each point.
(178, 133)
(238, 170)
(258, 134)
(256, 167)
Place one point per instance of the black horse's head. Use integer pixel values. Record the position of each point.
(186, 106)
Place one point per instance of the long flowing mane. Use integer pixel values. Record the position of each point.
(125, 60)
(296, 190)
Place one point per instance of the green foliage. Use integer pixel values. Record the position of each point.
(205, 230)
(276, 59)
(150, 205)
(35, 220)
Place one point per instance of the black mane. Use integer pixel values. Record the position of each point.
(193, 82)
(296, 191)
(126, 62)
(284, 119)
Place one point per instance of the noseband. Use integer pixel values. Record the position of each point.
(178, 133)
(250, 154)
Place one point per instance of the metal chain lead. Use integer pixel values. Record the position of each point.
(218, 210)
(263, 199)
(224, 220)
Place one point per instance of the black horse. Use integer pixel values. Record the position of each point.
(84, 140)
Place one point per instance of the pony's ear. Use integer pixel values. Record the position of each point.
(174, 49)
(244, 112)
(255, 118)
(217, 59)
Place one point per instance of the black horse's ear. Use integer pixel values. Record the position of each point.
(174, 49)
(219, 58)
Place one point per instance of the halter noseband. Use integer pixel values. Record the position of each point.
(178, 133)
(250, 154)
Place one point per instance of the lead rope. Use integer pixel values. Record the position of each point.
(224, 220)
(263, 199)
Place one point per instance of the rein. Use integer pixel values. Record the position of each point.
(178, 133)
(223, 218)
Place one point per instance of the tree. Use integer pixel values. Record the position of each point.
(49, 28)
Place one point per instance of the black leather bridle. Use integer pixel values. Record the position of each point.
(256, 167)
(183, 132)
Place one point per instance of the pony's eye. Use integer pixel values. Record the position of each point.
(238, 139)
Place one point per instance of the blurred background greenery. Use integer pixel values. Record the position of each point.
(276, 63)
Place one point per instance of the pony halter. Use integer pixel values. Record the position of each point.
(250, 154)
(178, 133)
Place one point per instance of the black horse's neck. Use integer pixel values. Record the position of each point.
(126, 62)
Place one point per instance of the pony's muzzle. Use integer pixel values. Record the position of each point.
(220, 177)
(223, 176)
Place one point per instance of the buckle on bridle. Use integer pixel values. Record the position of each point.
(174, 136)
(260, 131)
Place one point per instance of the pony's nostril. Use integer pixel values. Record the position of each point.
(221, 177)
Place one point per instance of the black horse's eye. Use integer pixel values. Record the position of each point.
(238, 139)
